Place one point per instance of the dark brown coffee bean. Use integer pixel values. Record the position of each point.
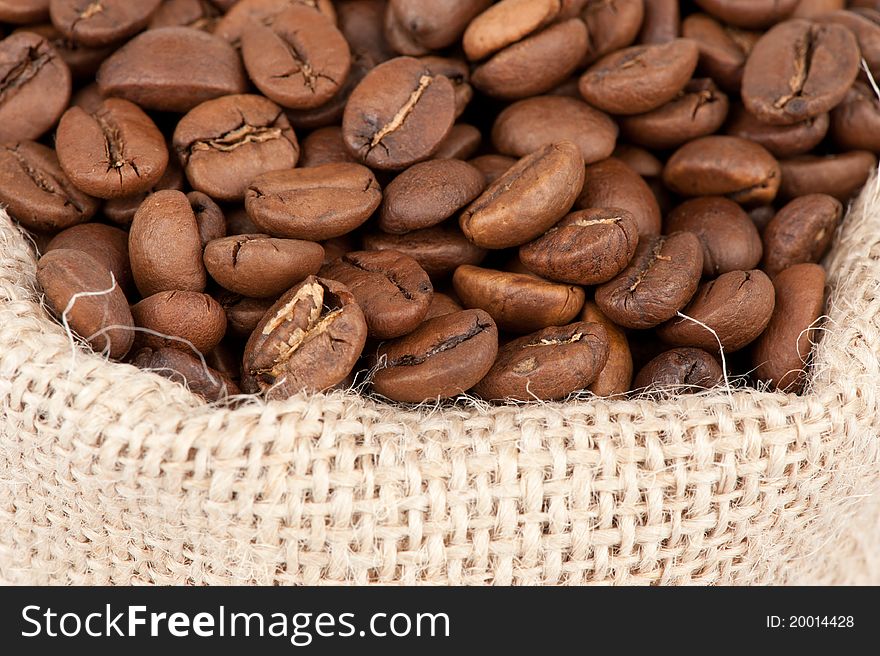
(243, 313)
(641, 78)
(435, 25)
(147, 70)
(225, 357)
(615, 377)
(106, 244)
(183, 320)
(227, 142)
(101, 22)
(723, 50)
(198, 14)
(300, 62)
(865, 25)
(737, 306)
(442, 304)
(122, 210)
(317, 203)
(730, 239)
(505, 23)
(839, 175)
(456, 71)
(442, 358)
(762, 215)
(662, 22)
(640, 160)
(724, 166)
(492, 166)
(780, 140)
(261, 266)
(22, 12)
(165, 246)
(189, 371)
(428, 193)
(855, 123)
(781, 352)
(798, 70)
(244, 13)
(82, 60)
(528, 125)
(519, 303)
(681, 369)
(391, 289)
(209, 217)
(81, 292)
(361, 23)
(612, 25)
(462, 141)
(309, 340)
(585, 248)
(611, 183)
(801, 232)
(438, 250)
(751, 14)
(324, 146)
(34, 86)
(398, 115)
(114, 152)
(541, 186)
(547, 365)
(661, 278)
(36, 191)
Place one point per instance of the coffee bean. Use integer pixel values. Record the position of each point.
(435, 25)
(122, 210)
(661, 278)
(723, 50)
(438, 250)
(541, 186)
(615, 378)
(462, 141)
(243, 313)
(336, 247)
(528, 125)
(865, 26)
(244, 13)
(398, 115)
(799, 70)
(196, 321)
(34, 86)
(729, 237)
(209, 217)
(780, 353)
(428, 193)
(723, 166)
(315, 203)
(640, 160)
(611, 183)
(82, 292)
(442, 304)
(165, 246)
(457, 72)
(611, 25)
(737, 306)
(324, 146)
(83, 61)
(261, 266)
(22, 12)
(682, 370)
(855, 123)
(587, 247)
(801, 232)
(505, 23)
(442, 358)
(659, 72)
(106, 244)
(114, 152)
(492, 166)
(227, 142)
(662, 22)
(518, 302)
(750, 14)
(779, 140)
(187, 370)
(762, 215)
(198, 14)
(308, 341)
(101, 22)
(331, 112)
(814, 8)
(361, 23)
(147, 70)
(840, 175)
(37, 192)
(391, 289)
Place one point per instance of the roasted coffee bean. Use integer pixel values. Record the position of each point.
(723, 50)
(261, 266)
(798, 70)
(428, 193)
(640, 160)
(300, 62)
(336, 247)
(814, 8)
(541, 187)
(661, 278)
(505, 23)
(801, 232)
(187, 370)
(198, 14)
(165, 246)
(492, 166)
(397, 38)
(730, 239)
(227, 142)
(244, 13)
(779, 140)
(83, 61)
(641, 78)
(762, 215)
(662, 22)
(855, 123)
(317, 203)
(34, 86)
(780, 353)
(308, 341)
(442, 304)
(398, 115)
(750, 14)
(611, 183)
(444, 357)
(149, 70)
(391, 289)
(528, 125)
(361, 23)
(615, 378)
(37, 192)
(22, 12)
(243, 313)
(547, 365)
(106, 244)
(122, 210)
(611, 25)
(439, 250)
(865, 26)
(82, 293)
(238, 222)
(681, 370)
(181, 320)
(435, 25)
(209, 217)
(324, 146)
(101, 22)
(724, 166)
(458, 72)
(114, 152)
(840, 175)
(699, 110)
(585, 248)
(737, 306)
(519, 303)
(462, 141)
(331, 112)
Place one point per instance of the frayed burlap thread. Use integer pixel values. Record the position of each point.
(109, 475)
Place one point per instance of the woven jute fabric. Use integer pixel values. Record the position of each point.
(110, 475)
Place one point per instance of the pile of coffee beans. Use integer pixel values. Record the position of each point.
(520, 199)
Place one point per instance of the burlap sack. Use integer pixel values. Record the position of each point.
(112, 475)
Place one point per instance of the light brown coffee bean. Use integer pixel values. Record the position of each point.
(723, 50)
(492, 166)
(611, 183)
(121, 210)
(801, 232)
(243, 13)
(108, 245)
(680, 370)
(640, 160)
(324, 146)
(189, 371)
(101, 22)
(779, 140)
(83, 61)
(183, 320)
(662, 22)
(611, 25)
(442, 304)
(750, 14)
(198, 14)
(439, 250)
(615, 377)
(865, 26)
(505, 23)
(840, 175)
(437, 24)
